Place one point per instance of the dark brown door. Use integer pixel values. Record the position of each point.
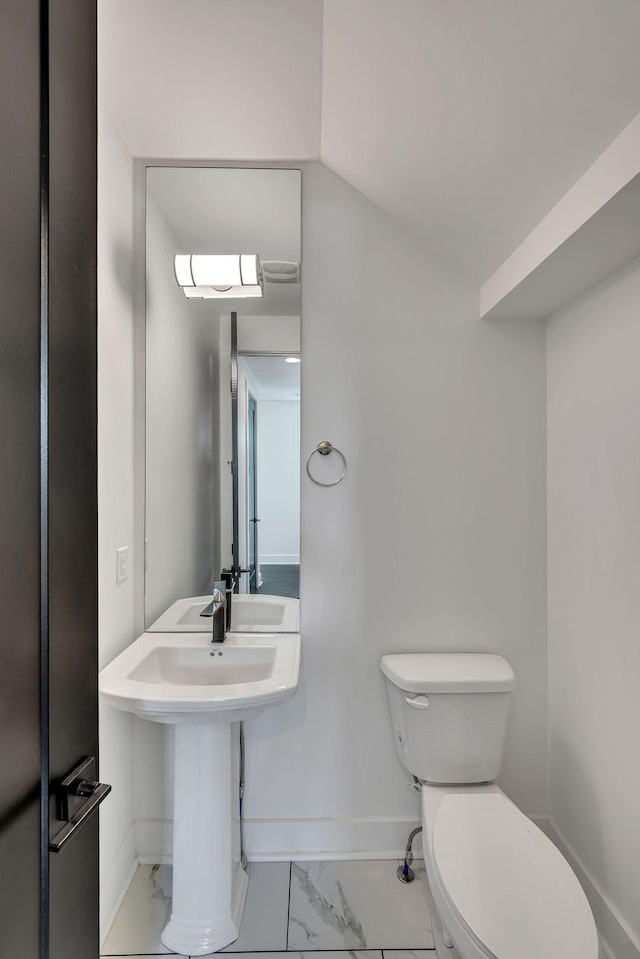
(20, 843)
(48, 509)
(72, 475)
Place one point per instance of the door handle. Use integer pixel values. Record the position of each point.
(77, 797)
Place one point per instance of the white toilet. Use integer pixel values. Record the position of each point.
(501, 889)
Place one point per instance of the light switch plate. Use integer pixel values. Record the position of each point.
(122, 564)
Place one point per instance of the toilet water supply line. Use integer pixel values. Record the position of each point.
(405, 873)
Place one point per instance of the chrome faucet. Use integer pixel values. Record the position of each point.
(217, 610)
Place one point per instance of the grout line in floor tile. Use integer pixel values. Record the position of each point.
(288, 907)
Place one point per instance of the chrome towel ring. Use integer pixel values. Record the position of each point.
(324, 447)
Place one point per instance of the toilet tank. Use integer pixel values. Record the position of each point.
(449, 713)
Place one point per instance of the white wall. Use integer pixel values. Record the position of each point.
(182, 338)
(278, 435)
(442, 514)
(117, 618)
(594, 596)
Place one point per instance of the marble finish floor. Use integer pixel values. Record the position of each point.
(298, 910)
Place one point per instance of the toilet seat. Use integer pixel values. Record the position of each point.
(506, 883)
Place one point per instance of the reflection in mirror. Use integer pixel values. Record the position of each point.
(269, 472)
(189, 508)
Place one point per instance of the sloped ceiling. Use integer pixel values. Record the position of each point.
(466, 121)
(199, 79)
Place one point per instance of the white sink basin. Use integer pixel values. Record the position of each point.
(175, 666)
(185, 678)
(250, 612)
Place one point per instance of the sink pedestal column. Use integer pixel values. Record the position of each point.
(209, 888)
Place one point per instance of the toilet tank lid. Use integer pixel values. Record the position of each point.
(449, 672)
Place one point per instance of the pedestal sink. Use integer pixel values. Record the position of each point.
(203, 689)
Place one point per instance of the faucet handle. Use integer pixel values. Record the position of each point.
(219, 594)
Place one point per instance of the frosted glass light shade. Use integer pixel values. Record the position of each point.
(223, 275)
(216, 271)
(249, 269)
(182, 269)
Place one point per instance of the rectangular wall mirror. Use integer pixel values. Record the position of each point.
(222, 402)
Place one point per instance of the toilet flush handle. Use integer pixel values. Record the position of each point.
(418, 702)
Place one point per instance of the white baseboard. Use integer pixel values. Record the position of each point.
(542, 822)
(617, 941)
(269, 840)
(116, 882)
(280, 559)
(281, 840)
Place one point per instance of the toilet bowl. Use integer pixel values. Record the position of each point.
(500, 888)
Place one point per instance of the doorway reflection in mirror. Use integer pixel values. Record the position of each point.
(269, 470)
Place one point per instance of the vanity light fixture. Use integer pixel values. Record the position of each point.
(213, 276)
(230, 293)
(292, 359)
